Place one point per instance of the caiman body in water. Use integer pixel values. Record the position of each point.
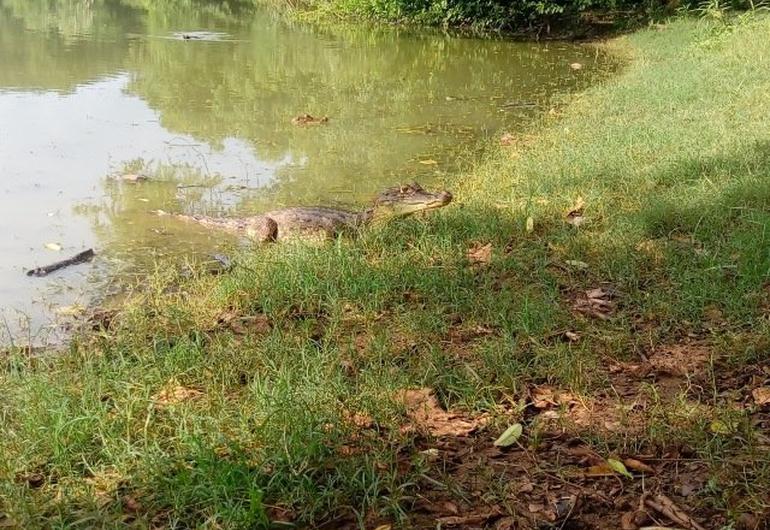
(279, 224)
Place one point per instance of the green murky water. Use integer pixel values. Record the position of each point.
(93, 88)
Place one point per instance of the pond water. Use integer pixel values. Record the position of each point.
(201, 100)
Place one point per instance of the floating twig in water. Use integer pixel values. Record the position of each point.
(86, 255)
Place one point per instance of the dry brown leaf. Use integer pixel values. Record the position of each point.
(384, 527)
(637, 465)
(480, 254)
(667, 507)
(471, 519)
(506, 523)
(426, 415)
(358, 419)
(33, 480)
(595, 303)
(761, 395)
(599, 470)
(572, 336)
(130, 504)
(547, 396)
(173, 393)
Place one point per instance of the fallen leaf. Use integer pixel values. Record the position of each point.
(595, 303)
(638, 465)
(507, 139)
(173, 393)
(666, 507)
(506, 523)
(56, 247)
(599, 470)
(358, 419)
(425, 414)
(577, 264)
(33, 480)
(572, 336)
(719, 427)
(576, 66)
(530, 226)
(384, 527)
(510, 436)
(761, 395)
(471, 519)
(633, 520)
(480, 254)
(546, 396)
(429, 162)
(619, 467)
(131, 504)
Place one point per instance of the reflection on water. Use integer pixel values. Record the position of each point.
(202, 100)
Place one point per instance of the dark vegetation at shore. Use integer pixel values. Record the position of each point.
(528, 18)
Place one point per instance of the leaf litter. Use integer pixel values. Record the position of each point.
(596, 303)
(480, 254)
(425, 415)
(173, 393)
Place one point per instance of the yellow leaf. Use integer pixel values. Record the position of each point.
(510, 436)
(429, 162)
(719, 427)
(619, 467)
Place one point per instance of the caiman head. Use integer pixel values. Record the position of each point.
(408, 199)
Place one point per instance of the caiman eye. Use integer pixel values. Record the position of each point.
(403, 189)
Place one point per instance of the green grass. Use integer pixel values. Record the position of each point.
(672, 159)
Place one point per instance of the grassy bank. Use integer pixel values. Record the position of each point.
(603, 282)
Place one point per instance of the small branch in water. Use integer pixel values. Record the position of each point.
(86, 255)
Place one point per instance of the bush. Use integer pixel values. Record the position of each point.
(505, 14)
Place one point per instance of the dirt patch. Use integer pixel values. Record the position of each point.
(681, 360)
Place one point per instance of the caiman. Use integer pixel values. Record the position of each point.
(279, 224)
